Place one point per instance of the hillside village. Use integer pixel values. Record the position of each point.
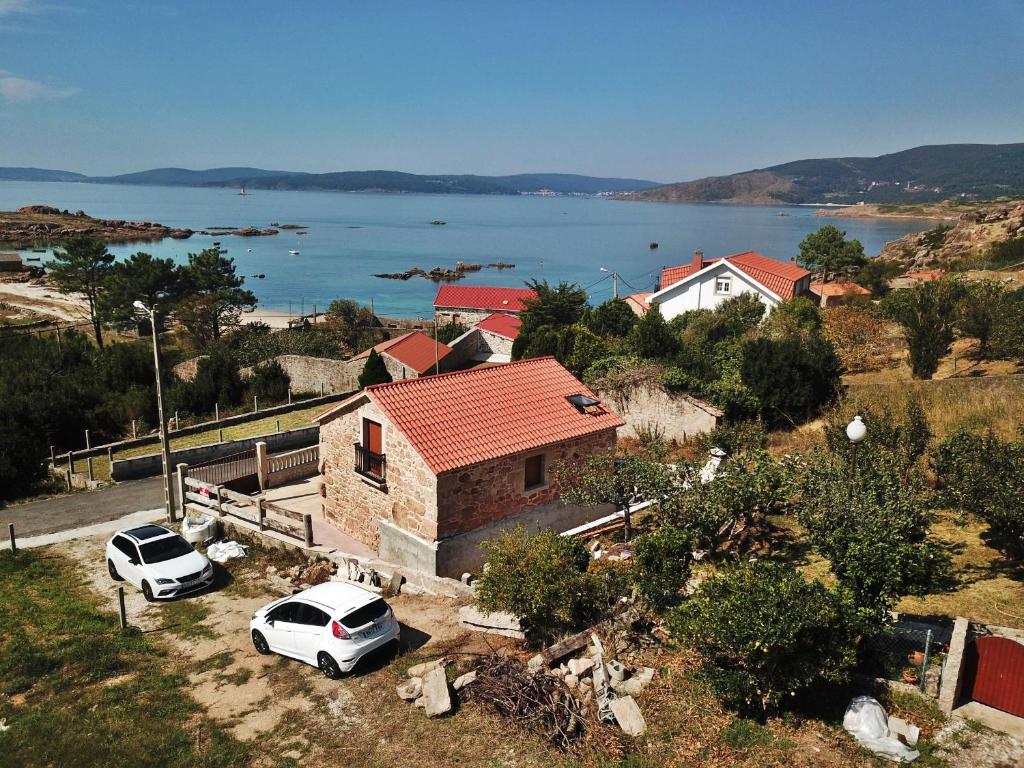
(684, 526)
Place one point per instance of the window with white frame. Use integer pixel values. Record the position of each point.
(723, 285)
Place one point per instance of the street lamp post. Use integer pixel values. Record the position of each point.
(165, 448)
(856, 431)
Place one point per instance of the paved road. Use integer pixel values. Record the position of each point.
(80, 509)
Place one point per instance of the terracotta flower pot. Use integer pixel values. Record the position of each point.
(916, 658)
(910, 677)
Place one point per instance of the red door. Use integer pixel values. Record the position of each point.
(375, 445)
(994, 673)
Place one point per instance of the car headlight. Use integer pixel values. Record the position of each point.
(165, 581)
(209, 567)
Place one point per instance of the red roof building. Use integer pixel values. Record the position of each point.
(500, 324)
(638, 302)
(782, 278)
(410, 355)
(439, 457)
(469, 304)
(831, 294)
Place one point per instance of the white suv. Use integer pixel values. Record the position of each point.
(158, 561)
(330, 626)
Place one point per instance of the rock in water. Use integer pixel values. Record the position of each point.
(437, 700)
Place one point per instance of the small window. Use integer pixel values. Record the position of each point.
(309, 615)
(126, 546)
(369, 613)
(723, 285)
(534, 472)
(285, 613)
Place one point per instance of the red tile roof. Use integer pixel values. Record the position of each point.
(483, 297)
(414, 350)
(500, 324)
(777, 276)
(467, 417)
(926, 276)
(640, 299)
(839, 289)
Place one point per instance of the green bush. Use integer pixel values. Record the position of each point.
(217, 381)
(983, 475)
(269, 382)
(661, 565)
(374, 371)
(542, 578)
(792, 378)
(765, 632)
(450, 331)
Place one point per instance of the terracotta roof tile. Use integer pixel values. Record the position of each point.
(483, 297)
(839, 289)
(500, 324)
(467, 417)
(414, 350)
(777, 276)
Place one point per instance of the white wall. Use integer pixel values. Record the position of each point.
(700, 293)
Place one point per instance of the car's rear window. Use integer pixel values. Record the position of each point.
(363, 616)
(164, 549)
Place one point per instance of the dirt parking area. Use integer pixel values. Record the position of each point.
(283, 703)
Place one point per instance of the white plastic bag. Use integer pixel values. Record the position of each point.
(866, 721)
(199, 529)
(222, 551)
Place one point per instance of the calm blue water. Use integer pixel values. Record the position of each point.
(351, 236)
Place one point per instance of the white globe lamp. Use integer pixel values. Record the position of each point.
(856, 430)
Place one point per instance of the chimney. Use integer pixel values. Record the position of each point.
(698, 259)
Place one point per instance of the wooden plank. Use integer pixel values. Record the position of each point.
(210, 502)
(271, 507)
(192, 482)
(227, 493)
(291, 525)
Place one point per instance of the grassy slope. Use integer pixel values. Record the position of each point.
(78, 692)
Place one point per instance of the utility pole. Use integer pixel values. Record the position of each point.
(615, 285)
(165, 447)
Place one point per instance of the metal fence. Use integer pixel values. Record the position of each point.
(901, 652)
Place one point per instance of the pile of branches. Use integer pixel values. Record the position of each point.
(532, 702)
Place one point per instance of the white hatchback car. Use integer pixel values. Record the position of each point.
(158, 561)
(331, 626)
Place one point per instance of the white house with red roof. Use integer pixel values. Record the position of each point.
(410, 355)
(425, 469)
(469, 304)
(706, 283)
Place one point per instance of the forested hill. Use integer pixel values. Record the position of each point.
(349, 181)
(922, 174)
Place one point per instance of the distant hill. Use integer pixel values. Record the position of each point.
(922, 174)
(349, 181)
(38, 174)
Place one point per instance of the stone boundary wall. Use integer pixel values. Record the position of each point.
(678, 415)
(151, 466)
(307, 373)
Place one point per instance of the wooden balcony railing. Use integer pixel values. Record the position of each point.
(371, 465)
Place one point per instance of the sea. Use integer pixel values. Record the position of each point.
(352, 236)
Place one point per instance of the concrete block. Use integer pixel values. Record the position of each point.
(580, 667)
(628, 716)
(437, 700)
(411, 690)
(463, 680)
(420, 670)
(616, 671)
(497, 623)
(952, 670)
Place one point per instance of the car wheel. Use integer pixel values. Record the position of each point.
(113, 571)
(328, 666)
(147, 592)
(260, 642)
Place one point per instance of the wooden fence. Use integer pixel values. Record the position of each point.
(207, 498)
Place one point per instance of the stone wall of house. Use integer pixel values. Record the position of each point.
(488, 492)
(478, 344)
(354, 504)
(676, 414)
(465, 316)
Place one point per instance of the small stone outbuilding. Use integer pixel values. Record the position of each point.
(469, 304)
(490, 340)
(425, 469)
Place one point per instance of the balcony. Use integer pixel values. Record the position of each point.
(372, 466)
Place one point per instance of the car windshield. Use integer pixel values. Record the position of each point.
(368, 613)
(164, 549)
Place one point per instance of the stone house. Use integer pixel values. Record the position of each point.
(425, 469)
(410, 355)
(706, 283)
(490, 340)
(10, 262)
(469, 304)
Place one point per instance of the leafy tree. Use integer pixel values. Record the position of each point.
(979, 311)
(217, 381)
(215, 296)
(587, 349)
(982, 475)
(547, 316)
(733, 318)
(793, 379)
(857, 334)
(270, 382)
(82, 267)
(612, 318)
(765, 633)
(796, 318)
(449, 332)
(353, 322)
(875, 275)
(542, 578)
(1008, 334)
(927, 312)
(661, 565)
(827, 252)
(156, 282)
(374, 371)
(651, 336)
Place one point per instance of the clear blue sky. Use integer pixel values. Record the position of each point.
(660, 90)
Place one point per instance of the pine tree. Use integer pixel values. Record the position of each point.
(374, 372)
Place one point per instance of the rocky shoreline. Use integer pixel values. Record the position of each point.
(43, 224)
(443, 274)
